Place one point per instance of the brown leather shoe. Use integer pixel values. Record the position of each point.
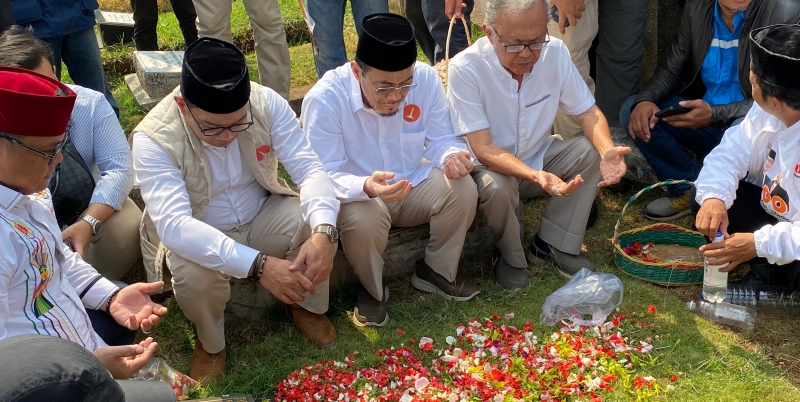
(317, 328)
(427, 280)
(206, 367)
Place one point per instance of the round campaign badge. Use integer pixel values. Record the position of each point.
(411, 113)
(262, 151)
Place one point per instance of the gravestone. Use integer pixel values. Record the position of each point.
(115, 28)
(144, 100)
(159, 72)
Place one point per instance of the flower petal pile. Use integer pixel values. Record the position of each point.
(488, 361)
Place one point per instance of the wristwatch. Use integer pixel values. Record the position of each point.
(329, 230)
(97, 226)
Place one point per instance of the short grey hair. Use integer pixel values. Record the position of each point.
(496, 7)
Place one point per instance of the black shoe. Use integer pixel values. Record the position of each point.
(592, 215)
(370, 312)
(427, 280)
(566, 264)
(510, 277)
(622, 186)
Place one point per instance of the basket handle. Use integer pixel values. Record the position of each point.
(637, 195)
(447, 44)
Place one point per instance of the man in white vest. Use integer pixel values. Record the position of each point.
(206, 161)
(381, 126)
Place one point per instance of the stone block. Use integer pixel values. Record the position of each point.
(115, 28)
(159, 72)
(405, 246)
(638, 168)
(144, 100)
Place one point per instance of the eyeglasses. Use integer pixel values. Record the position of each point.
(518, 48)
(387, 90)
(236, 128)
(50, 156)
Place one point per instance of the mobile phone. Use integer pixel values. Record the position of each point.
(554, 16)
(672, 111)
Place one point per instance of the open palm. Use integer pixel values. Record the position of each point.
(612, 166)
(132, 307)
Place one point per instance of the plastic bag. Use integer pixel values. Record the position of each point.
(587, 299)
(158, 370)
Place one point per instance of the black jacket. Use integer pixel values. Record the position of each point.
(680, 72)
(6, 15)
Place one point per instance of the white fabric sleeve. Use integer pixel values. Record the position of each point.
(779, 243)
(467, 113)
(324, 131)
(318, 203)
(727, 163)
(164, 193)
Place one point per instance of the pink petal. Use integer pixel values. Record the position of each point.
(510, 316)
(421, 383)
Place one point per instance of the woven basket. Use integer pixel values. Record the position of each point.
(441, 67)
(663, 273)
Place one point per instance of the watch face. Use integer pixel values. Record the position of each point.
(97, 227)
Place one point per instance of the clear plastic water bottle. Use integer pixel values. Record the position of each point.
(725, 313)
(715, 283)
(765, 299)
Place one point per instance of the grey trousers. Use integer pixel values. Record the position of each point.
(619, 54)
(449, 206)
(46, 368)
(563, 221)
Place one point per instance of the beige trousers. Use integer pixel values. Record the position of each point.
(563, 221)
(278, 231)
(448, 205)
(272, 51)
(578, 40)
(114, 251)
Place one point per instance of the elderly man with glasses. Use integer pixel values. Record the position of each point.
(206, 159)
(504, 92)
(380, 125)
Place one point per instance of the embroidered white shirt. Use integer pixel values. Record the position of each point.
(44, 287)
(353, 141)
(483, 95)
(236, 195)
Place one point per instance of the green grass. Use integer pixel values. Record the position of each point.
(720, 364)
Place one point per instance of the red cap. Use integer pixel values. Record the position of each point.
(29, 105)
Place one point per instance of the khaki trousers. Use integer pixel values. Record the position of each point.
(448, 205)
(578, 40)
(272, 51)
(563, 221)
(278, 231)
(114, 251)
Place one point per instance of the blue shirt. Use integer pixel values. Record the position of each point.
(720, 71)
(101, 142)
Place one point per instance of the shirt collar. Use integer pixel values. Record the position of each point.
(8, 197)
(738, 19)
(356, 101)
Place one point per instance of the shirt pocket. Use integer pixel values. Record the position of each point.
(412, 146)
(26, 11)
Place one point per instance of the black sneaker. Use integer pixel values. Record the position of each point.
(566, 264)
(427, 280)
(370, 312)
(510, 277)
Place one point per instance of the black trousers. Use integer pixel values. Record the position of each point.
(746, 216)
(46, 368)
(145, 21)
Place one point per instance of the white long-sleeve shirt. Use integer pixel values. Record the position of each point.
(766, 153)
(44, 286)
(353, 141)
(236, 195)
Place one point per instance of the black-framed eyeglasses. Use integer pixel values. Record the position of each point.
(518, 48)
(235, 128)
(50, 156)
(387, 90)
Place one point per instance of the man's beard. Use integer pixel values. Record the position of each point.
(389, 114)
